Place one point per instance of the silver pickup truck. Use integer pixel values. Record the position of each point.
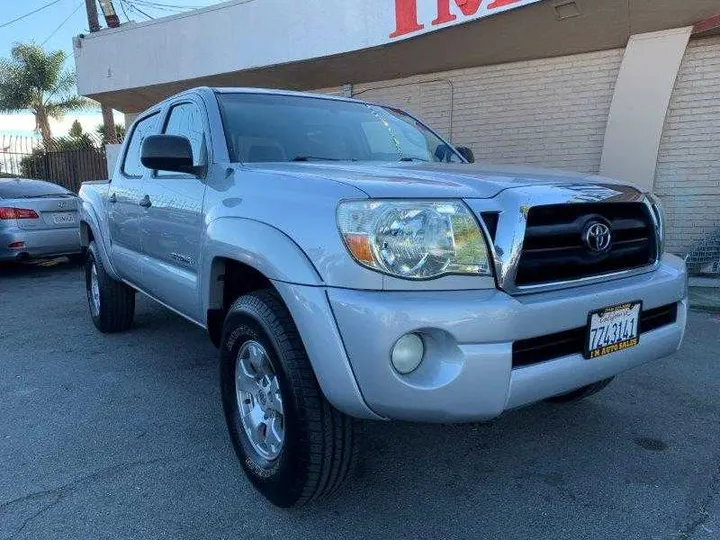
(350, 263)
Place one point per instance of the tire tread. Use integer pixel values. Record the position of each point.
(117, 304)
(330, 433)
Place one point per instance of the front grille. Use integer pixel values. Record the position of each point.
(554, 250)
(541, 349)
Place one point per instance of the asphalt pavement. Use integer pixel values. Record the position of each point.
(122, 436)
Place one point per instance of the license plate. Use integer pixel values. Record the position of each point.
(612, 329)
(63, 219)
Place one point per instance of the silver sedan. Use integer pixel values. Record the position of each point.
(37, 219)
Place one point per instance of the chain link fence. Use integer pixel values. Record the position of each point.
(703, 257)
(703, 262)
(67, 161)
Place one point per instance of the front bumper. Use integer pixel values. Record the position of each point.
(467, 373)
(42, 243)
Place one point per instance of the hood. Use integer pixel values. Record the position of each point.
(425, 180)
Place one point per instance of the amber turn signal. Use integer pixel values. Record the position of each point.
(359, 246)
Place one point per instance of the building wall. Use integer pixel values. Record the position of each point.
(550, 112)
(242, 35)
(688, 171)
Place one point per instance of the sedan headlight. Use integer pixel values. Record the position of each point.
(414, 239)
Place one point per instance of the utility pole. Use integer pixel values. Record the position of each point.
(107, 113)
(92, 15)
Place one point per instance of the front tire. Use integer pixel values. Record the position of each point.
(292, 444)
(111, 302)
(581, 393)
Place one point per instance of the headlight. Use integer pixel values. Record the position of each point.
(414, 239)
(659, 212)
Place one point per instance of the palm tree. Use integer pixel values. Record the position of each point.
(119, 133)
(34, 79)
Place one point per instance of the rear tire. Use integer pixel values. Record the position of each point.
(317, 451)
(581, 393)
(111, 302)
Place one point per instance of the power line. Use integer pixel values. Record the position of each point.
(21, 17)
(140, 7)
(162, 5)
(62, 24)
(122, 6)
(148, 7)
(135, 8)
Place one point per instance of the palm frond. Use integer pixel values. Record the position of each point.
(32, 78)
(14, 94)
(58, 109)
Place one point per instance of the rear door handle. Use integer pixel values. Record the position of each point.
(145, 202)
(112, 198)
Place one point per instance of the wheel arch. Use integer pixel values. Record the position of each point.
(90, 231)
(229, 279)
(242, 255)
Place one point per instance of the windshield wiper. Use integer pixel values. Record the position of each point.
(414, 159)
(320, 158)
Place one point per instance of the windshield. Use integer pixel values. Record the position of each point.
(272, 128)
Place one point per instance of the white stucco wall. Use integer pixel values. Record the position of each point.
(642, 93)
(246, 34)
(112, 152)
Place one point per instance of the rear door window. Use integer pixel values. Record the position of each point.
(132, 166)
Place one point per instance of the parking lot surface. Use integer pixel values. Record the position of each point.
(123, 436)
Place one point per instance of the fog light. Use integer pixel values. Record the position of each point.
(407, 353)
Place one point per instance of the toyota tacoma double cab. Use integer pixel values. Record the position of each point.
(350, 263)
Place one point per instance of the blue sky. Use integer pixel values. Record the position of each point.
(45, 27)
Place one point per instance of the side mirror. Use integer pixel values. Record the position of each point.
(467, 153)
(171, 153)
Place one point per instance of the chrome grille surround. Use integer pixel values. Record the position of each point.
(513, 206)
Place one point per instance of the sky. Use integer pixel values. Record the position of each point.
(55, 27)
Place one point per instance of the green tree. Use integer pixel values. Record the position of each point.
(119, 132)
(34, 79)
(76, 139)
(76, 130)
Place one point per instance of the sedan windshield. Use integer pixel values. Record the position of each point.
(275, 128)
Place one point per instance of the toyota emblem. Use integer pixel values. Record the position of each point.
(597, 237)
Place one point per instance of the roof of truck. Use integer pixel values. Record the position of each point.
(274, 91)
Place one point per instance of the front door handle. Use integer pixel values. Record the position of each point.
(112, 198)
(145, 202)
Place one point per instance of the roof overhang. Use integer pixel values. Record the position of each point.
(275, 43)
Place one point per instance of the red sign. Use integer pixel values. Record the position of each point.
(406, 13)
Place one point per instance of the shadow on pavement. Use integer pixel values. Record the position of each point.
(39, 268)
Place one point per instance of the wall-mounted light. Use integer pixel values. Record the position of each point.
(566, 10)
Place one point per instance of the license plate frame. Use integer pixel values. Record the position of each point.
(631, 308)
(64, 218)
